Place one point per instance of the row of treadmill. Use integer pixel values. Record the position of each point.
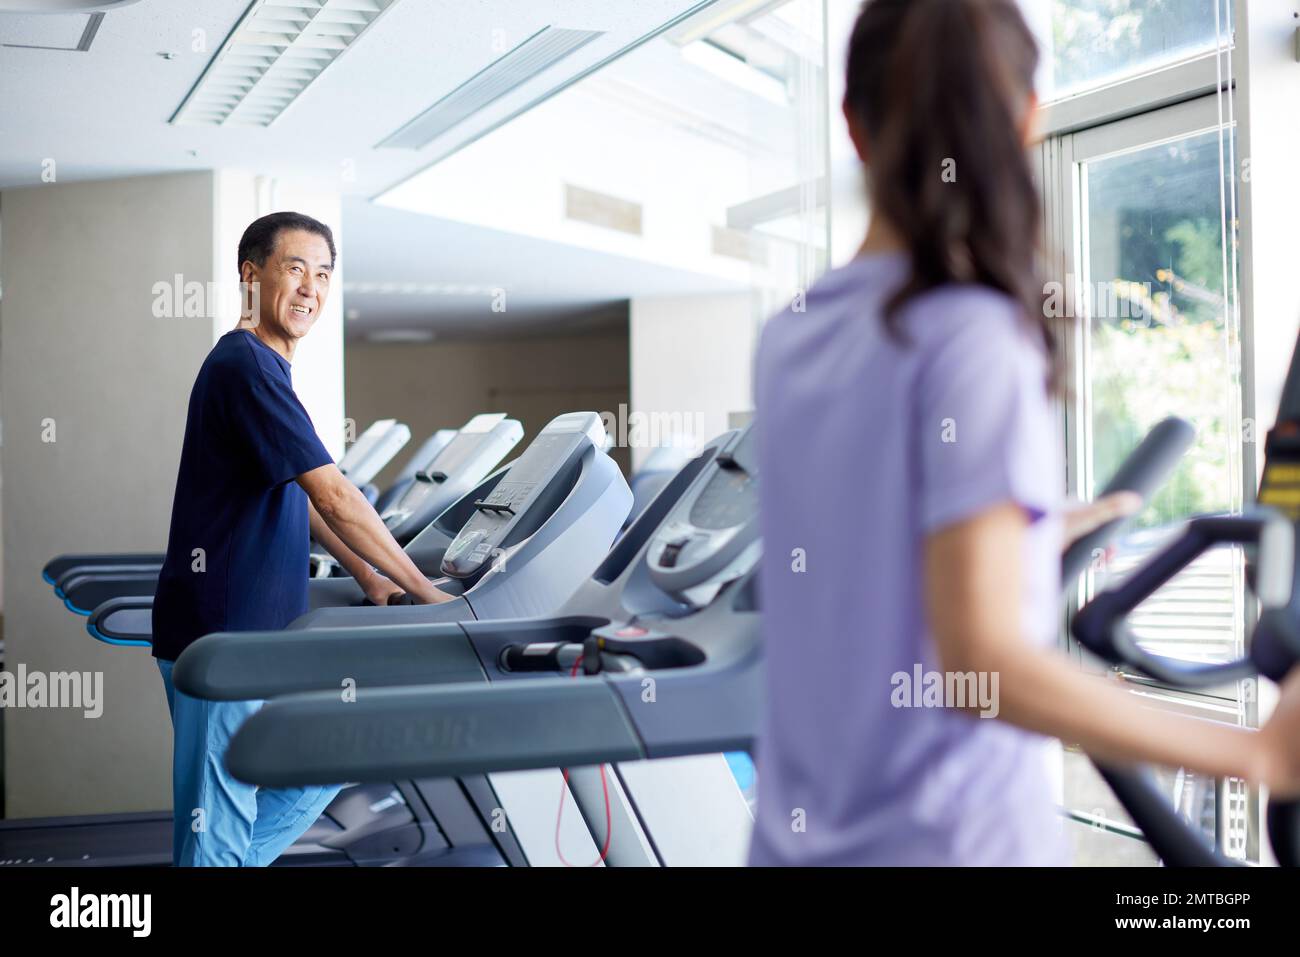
(583, 699)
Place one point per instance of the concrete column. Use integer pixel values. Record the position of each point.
(692, 362)
(239, 198)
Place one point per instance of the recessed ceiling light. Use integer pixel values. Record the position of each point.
(719, 15)
(536, 54)
(731, 69)
(276, 51)
(401, 335)
(63, 6)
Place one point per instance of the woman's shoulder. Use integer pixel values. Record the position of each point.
(962, 303)
(974, 318)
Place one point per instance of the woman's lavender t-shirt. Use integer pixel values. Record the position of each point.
(867, 445)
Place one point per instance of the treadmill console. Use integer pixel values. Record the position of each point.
(546, 462)
(488, 437)
(707, 540)
(712, 532)
(364, 445)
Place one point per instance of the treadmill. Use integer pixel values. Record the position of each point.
(518, 544)
(443, 478)
(552, 514)
(679, 564)
(657, 657)
(456, 466)
(656, 472)
(83, 580)
(406, 475)
(373, 449)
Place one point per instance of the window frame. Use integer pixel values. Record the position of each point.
(1176, 102)
(1063, 159)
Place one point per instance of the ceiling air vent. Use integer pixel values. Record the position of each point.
(276, 51)
(600, 209)
(737, 244)
(540, 51)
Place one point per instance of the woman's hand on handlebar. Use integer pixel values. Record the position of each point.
(1082, 518)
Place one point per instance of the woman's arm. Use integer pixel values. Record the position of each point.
(973, 594)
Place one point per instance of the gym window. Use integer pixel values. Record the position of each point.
(1138, 175)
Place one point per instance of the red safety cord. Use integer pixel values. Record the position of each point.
(559, 814)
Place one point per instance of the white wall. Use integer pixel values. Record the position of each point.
(849, 211)
(1268, 140)
(239, 198)
(692, 357)
(441, 384)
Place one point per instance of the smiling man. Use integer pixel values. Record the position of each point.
(255, 484)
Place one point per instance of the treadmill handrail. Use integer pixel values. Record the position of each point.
(450, 730)
(56, 567)
(95, 622)
(245, 665)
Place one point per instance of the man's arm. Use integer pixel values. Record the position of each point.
(376, 587)
(350, 529)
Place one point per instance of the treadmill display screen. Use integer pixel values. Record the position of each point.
(546, 451)
(508, 501)
(456, 454)
(731, 496)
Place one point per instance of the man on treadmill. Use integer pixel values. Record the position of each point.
(255, 485)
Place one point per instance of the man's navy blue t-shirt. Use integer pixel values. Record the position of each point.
(247, 438)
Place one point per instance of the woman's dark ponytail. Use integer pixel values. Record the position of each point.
(941, 87)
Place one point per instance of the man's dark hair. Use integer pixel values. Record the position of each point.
(258, 241)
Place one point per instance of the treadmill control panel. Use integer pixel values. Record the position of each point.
(365, 444)
(521, 490)
(477, 447)
(712, 533)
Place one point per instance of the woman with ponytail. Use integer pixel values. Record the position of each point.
(911, 494)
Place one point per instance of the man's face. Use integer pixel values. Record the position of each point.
(293, 284)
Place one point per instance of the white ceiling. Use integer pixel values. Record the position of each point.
(103, 114)
(542, 280)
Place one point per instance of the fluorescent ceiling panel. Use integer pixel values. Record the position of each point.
(275, 52)
(718, 15)
(62, 6)
(539, 52)
(44, 32)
